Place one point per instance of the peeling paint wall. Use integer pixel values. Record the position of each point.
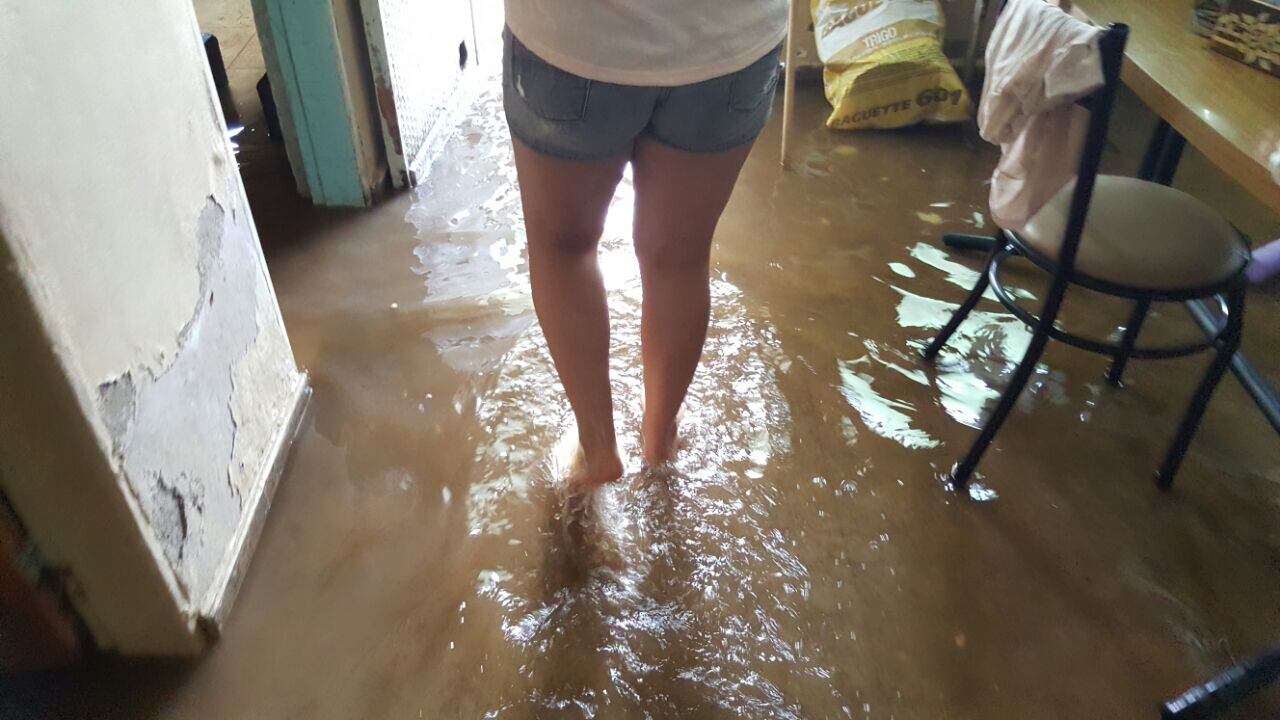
(192, 485)
(124, 214)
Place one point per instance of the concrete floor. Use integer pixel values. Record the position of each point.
(805, 559)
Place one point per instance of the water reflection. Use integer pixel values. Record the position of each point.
(471, 255)
(675, 592)
(886, 417)
(702, 590)
(703, 586)
(803, 559)
(671, 593)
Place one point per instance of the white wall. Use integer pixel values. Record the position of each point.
(126, 228)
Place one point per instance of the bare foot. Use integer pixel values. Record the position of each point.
(579, 471)
(590, 472)
(660, 445)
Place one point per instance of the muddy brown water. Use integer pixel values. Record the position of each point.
(804, 558)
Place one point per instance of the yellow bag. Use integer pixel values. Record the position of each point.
(884, 66)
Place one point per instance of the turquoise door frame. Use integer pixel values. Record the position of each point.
(311, 49)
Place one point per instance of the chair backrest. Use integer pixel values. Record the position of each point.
(1111, 44)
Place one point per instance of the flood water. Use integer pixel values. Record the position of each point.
(803, 558)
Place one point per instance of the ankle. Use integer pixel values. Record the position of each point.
(658, 444)
(660, 438)
(598, 449)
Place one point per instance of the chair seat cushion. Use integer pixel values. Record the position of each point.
(1142, 235)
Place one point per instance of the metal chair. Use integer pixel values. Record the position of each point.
(1137, 240)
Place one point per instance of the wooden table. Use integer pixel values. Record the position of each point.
(1228, 111)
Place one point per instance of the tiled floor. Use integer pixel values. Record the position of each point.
(263, 162)
(232, 22)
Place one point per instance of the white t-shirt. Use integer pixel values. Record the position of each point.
(1040, 60)
(649, 42)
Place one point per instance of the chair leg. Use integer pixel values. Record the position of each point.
(964, 469)
(1140, 308)
(940, 340)
(962, 241)
(1200, 400)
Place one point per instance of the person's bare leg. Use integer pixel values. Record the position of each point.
(564, 209)
(679, 198)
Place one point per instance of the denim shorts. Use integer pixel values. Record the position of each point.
(570, 117)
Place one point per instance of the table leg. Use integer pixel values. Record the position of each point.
(975, 34)
(1160, 164)
(1164, 152)
(1155, 146)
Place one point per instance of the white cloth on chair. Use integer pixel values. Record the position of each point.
(1040, 61)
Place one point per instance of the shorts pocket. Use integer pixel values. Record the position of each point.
(551, 93)
(754, 84)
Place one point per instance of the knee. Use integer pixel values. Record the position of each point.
(673, 254)
(564, 241)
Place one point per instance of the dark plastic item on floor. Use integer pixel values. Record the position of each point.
(1225, 690)
(213, 51)
(269, 109)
